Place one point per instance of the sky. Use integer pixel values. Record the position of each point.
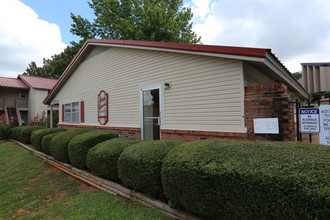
(297, 31)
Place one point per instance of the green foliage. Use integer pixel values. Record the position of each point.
(4, 132)
(297, 75)
(5, 126)
(55, 66)
(102, 159)
(13, 133)
(146, 20)
(327, 94)
(45, 142)
(218, 179)
(38, 135)
(59, 144)
(139, 166)
(79, 145)
(24, 134)
(316, 95)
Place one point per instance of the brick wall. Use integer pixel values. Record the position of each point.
(187, 135)
(122, 131)
(270, 101)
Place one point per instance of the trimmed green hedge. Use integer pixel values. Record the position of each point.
(139, 166)
(79, 145)
(102, 159)
(24, 134)
(45, 143)
(243, 180)
(59, 144)
(37, 136)
(4, 132)
(15, 131)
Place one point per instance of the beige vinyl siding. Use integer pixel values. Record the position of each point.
(206, 92)
(253, 76)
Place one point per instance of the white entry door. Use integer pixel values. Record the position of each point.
(151, 113)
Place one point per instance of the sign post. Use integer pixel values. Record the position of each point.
(325, 124)
(309, 120)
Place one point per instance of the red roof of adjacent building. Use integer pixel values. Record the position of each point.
(25, 82)
(12, 82)
(38, 82)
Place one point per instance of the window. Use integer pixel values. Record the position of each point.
(71, 112)
(23, 95)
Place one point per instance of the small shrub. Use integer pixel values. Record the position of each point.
(5, 126)
(102, 159)
(25, 133)
(13, 133)
(45, 143)
(37, 136)
(139, 166)
(79, 145)
(243, 180)
(59, 144)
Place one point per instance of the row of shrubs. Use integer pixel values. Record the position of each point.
(214, 179)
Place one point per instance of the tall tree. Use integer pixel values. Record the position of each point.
(55, 66)
(148, 20)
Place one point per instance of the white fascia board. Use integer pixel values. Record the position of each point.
(282, 72)
(228, 56)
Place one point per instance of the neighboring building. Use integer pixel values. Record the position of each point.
(155, 90)
(315, 77)
(22, 97)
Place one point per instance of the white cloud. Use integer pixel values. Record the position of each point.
(25, 38)
(296, 31)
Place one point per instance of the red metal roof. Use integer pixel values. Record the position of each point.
(237, 51)
(12, 82)
(38, 82)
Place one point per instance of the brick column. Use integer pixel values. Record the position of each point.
(269, 101)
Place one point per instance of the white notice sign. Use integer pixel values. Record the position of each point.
(309, 120)
(266, 126)
(325, 124)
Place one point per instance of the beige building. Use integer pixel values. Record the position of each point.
(315, 77)
(155, 90)
(22, 97)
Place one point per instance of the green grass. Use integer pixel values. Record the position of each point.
(31, 189)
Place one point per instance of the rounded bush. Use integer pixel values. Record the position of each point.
(15, 131)
(243, 180)
(37, 136)
(79, 145)
(45, 143)
(4, 132)
(139, 166)
(24, 134)
(102, 159)
(59, 144)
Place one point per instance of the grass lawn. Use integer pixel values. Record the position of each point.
(31, 189)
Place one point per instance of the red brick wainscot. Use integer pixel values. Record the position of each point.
(122, 131)
(187, 135)
(270, 101)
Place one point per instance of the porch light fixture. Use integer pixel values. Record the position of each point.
(167, 84)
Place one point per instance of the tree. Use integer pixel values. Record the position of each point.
(55, 66)
(146, 20)
(297, 75)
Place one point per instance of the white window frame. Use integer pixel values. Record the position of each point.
(68, 115)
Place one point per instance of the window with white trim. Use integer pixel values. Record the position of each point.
(71, 113)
